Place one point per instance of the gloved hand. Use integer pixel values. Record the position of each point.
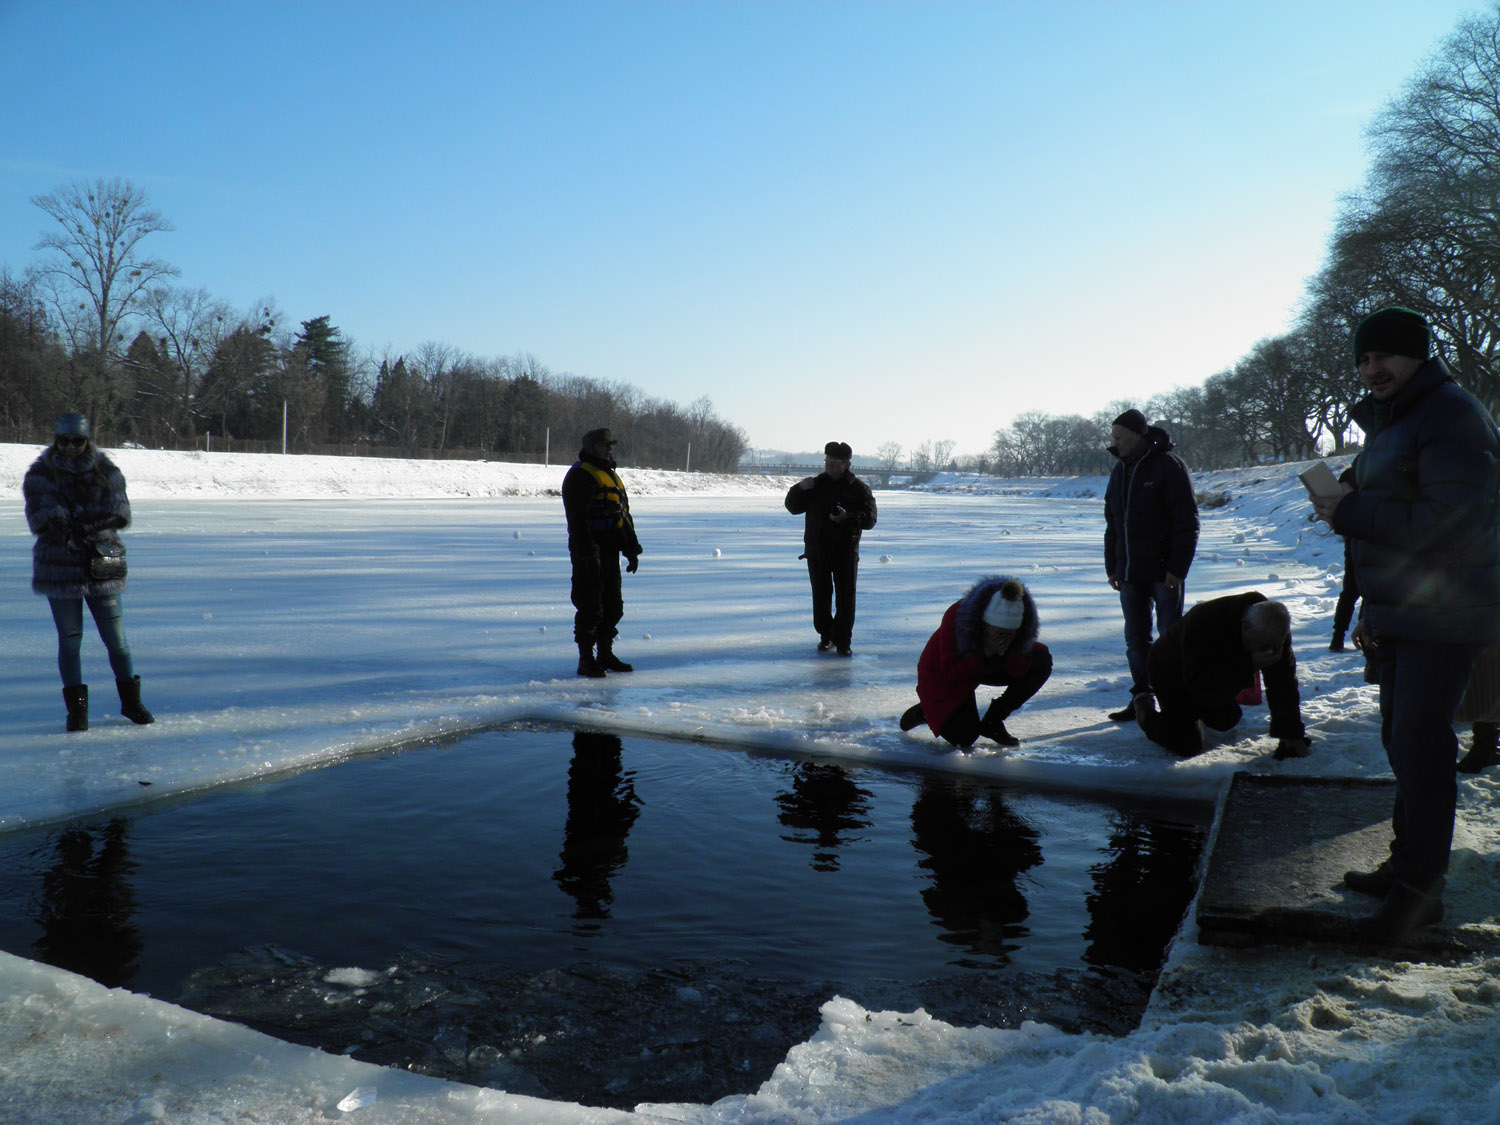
(1292, 748)
(633, 565)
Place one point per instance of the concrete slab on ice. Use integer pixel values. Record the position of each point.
(1277, 858)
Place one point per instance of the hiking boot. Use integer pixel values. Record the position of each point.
(1484, 750)
(1377, 883)
(912, 717)
(1337, 644)
(587, 665)
(610, 662)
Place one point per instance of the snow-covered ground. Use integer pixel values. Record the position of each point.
(288, 612)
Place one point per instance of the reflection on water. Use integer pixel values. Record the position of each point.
(602, 806)
(637, 853)
(826, 807)
(975, 848)
(86, 905)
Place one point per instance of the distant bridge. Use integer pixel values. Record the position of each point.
(880, 478)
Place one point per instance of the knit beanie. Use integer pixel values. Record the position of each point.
(1006, 609)
(1394, 331)
(1133, 420)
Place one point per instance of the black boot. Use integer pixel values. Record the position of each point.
(130, 701)
(587, 665)
(1484, 751)
(609, 661)
(1337, 644)
(912, 717)
(992, 726)
(77, 700)
(1376, 883)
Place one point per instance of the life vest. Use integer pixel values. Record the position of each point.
(609, 509)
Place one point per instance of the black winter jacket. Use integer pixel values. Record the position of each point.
(1150, 515)
(1200, 664)
(1422, 518)
(825, 541)
(70, 501)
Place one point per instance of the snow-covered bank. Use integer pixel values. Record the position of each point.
(275, 636)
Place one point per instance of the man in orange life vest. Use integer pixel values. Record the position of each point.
(600, 530)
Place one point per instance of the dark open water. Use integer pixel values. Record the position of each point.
(527, 908)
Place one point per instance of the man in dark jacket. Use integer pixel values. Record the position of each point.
(988, 636)
(1206, 658)
(600, 530)
(1421, 521)
(1150, 534)
(838, 506)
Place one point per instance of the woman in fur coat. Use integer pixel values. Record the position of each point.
(989, 636)
(75, 497)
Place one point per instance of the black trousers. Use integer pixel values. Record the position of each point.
(1175, 726)
(829, 582)
(964, 726)
(596, 595)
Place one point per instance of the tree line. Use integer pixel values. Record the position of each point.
(97, 326)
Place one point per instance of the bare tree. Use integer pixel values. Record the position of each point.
(96, 256)
(890, 455)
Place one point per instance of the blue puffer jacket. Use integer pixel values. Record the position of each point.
(1150, 515)
(1422, 520)
(70, 500)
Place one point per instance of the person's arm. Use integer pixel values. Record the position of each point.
(1182, 515)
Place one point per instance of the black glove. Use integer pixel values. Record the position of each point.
(634, 564)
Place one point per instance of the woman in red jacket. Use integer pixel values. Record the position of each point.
(989, 636)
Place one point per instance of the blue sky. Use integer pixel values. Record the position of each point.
(872, 221)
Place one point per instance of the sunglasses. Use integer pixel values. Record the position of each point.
(72, 442)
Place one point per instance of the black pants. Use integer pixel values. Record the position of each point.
(1421, 683)
(1175, 726)
(596, 595)
(838, 579)
(964, 726)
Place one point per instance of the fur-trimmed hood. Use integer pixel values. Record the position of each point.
(968, 626)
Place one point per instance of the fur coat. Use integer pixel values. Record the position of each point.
(71, 501)
(953, 664)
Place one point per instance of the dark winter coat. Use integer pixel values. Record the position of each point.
(825, 541)
(953, 664)
(70, 502)
(598, 515)
(1199, 665)
(1150, 515)
(1422, 519)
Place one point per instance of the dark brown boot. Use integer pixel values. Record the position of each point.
(76, 698)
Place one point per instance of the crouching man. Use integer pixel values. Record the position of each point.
(989, 636)
(1202, 663)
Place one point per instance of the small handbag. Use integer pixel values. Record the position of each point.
(106, 560)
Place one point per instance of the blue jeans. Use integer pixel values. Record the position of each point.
(1137, 600)
(109, 616)
(1421, 683)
